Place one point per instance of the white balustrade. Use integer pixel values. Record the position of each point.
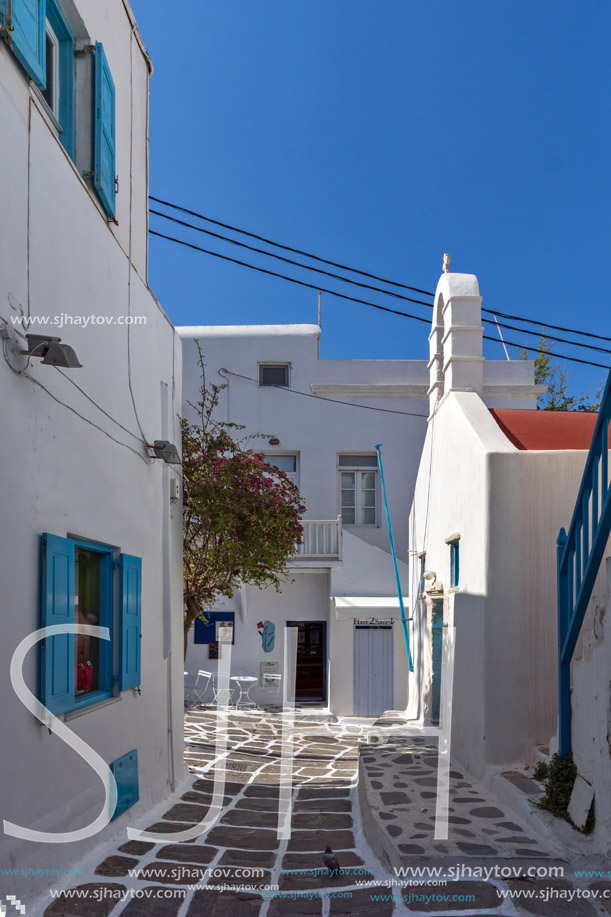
(321, 538)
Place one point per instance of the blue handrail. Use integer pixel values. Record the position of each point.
(579, 555)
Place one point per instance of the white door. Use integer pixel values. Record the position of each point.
(373, 681)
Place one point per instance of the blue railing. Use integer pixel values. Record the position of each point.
(579, 555)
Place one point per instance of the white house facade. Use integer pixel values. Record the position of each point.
(493, 489)
(91, 518)
(320, 421)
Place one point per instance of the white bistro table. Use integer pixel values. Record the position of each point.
(245, 684)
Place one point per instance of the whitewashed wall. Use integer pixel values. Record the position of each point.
(591, 704)
(508, 506)
(62, 475)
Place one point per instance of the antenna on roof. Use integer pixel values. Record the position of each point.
(498, 328)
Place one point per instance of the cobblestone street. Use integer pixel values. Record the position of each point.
(399, 793)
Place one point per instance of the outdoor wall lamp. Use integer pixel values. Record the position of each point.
(167, 451)
(53, 352)
(274, 441)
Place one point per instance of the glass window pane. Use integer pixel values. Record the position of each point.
(369, 498)
(286, 463)
(368, 480)
(358, 461)
(347, 516)
(274, 374)
(347, 480)
(347, 498)
(369, 517)
(87, 649)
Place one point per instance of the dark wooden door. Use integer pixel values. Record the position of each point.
(310, 682)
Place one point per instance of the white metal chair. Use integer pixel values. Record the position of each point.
(197, 692)
(273, 684)
(222, 697)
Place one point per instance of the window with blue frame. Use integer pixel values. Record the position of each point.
(43, 43)
(58, 91)
(78, 588)
(454, 563)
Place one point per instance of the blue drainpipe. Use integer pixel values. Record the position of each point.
(378, 448)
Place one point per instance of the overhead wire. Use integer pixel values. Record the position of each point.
(306, 267)
(368, 286)
(518, 318)
(294, 391)
(288, 248)
(345, 296)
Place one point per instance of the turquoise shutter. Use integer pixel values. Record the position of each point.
(57, 653)
(131, 617)
(104, 134)
(2, 13)
(29, 39)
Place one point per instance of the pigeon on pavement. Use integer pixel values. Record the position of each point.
(330, 861)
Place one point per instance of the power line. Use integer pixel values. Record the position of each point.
(365, 302)
(367, 286)
(542, 324)
(352, 404)
(288, 248)
(517, 318)
(306, 267)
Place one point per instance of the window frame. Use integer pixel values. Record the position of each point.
(454, 544)
(59, 660)
(65, 77)
(291, 475)
(274, 365)
(359, 471)
(106, 619)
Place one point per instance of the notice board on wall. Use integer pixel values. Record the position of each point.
(206, 625)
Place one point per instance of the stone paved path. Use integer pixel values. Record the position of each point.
(326, 809)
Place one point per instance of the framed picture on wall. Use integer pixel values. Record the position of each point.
(214, 651)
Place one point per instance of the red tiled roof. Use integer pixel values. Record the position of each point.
(546, 429)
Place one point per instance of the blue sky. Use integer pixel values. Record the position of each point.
(380, 135)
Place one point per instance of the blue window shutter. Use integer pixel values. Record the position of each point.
(131, 618)
(28, 21)
(104, 134)
(57, 653)
(2, 14)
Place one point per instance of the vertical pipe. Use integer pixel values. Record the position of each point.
(564, 669)
(378, 449)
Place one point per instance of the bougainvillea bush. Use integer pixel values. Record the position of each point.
(241, 518)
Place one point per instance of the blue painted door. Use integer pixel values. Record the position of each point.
(437, 641)
(373, 671)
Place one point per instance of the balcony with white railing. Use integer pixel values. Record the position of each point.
(322, 541)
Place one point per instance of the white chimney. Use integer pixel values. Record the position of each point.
(456, 356)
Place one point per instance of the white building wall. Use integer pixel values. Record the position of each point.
(508, 506)
(591, 704)
(68, 474)
(318, 431)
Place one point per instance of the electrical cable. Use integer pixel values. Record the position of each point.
(367, 286)
(288, 248)
(95, 404)
(294, 391)
(70, 408)
(365, 302)
(516, 318)
(305, 267)
(541, 324)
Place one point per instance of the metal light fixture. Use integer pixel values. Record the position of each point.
(167, 451)
(274, 441)
(52, 351)
(430, 576)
